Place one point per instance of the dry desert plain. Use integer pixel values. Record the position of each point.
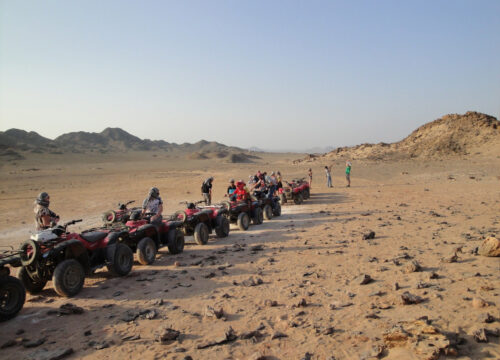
(291, 288)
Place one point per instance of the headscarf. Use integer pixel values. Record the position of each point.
(42, 199)
(208, 180)
(154, 193)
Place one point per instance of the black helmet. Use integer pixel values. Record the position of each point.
(154, 192)
(136, 215)
(42, 199)
(191, 206)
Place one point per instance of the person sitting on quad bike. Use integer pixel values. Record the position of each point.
(273, 185)
(241, 193)
(206, 190)
(230, 188)
(44, 217)
(279, 181)
(153, 205)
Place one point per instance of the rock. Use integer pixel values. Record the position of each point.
(252, 282)
(433, 275)
(412, 266)
(329, 330)
(368, 236)
(229, 335)
(251, 334)
(396, 286)
(302, 303)
(270, 303)
(486, 318)
(165, 335)
(34, 343)
(257, 248)
(489, 247)
(68, 309)
(364, 279)
(8, 343)
(212, 313)
(450, 259)
(409, 299)
(150, 314)
(56, 354)
(130, 315)
(479, 303)
(307, 356)
(178, 264)
(480, 335)
(278, 334)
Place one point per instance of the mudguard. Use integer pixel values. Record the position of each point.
(71, 249)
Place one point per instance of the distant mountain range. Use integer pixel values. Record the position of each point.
(15, 142)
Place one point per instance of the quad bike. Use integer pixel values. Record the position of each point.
(201, 221)
(12, 292)
(296, 190)
(146, 238)
(67, 257)
(240, 213)
(118, 216)
(270, 206)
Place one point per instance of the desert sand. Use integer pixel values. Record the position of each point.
(291, 288)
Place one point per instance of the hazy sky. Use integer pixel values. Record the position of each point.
(273, 74)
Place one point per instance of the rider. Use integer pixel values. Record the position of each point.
(206, 190)
(153, 204)
(44, 217)
(231, 187)
(241, 193)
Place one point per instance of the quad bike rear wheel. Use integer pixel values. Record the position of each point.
(30, 251)
(120, 259)
(12, 297)
(31, 285)
(258, 216)
(175, 241)
(201, 234)
(109, 217)
(68, 277)
(222, 228)
(146, 251)
(277, 209)
(298, 199)
(307, 194)
(243, 221)
(268, 212)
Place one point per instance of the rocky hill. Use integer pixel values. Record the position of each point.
(16, 144)
(472, 133)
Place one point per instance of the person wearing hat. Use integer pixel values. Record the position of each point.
(44, 217)
(230, 188)
(206, 190)
(153, 204)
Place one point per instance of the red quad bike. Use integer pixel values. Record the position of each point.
(297, 190)
(240, 213)
(67, 257)
(12, 292)
(118, 216)
(270, 206)
(201, 221)
(147, 238)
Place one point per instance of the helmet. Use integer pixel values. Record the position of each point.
(191, 206)
(136, 215)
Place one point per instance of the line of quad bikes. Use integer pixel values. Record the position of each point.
(66, 257)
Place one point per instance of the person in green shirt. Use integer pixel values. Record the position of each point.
(348, 172)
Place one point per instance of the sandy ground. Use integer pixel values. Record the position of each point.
(311, 264)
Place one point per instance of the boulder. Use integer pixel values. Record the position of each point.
(489, 247)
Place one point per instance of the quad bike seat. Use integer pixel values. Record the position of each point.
(93, 236)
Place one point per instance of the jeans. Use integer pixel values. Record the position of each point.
(207, 198)
(271, 191)
(328, 181)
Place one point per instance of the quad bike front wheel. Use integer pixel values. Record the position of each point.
(12, 297)
(68, 278)
(258, 216)
(31, 285)
(222, 228)
(180, 216)
(175, 241)
(268, 212)
(298, 199)
(120, 259)
(201, 234)
(146, 251)
(243, 221)
(30, 252)
(277, 209)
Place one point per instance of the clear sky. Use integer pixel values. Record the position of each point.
(272, 74)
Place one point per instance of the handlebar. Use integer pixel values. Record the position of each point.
(72, 222)
(129, 202)
(194, 202)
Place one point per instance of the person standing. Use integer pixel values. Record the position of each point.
(44, 217)
(206, 190)
(348, 172)
(328, 176)
(310, 174)
(230, 188)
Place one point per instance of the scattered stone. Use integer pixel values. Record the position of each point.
(34, 343)
(8, 343)
(450, 259)
(179, 264)
(117, 293)
(150, 314)
(329, 330)
(257, 248)
(212, 313)
(251, 334)
(252, 282)
(87, 333)
(130, 315)
(365, 279)
(166, 335)
(409, 299)
(368, 236)
(396, 286)
(131, 338)
(433, 275)
(479, 303)
(489, 247)
(69, 309)
(302, 303)
(229, 336)
(278, 334)
(270, 303)
(480, 335)
(486, 318)
(57, 354)
(412, 266)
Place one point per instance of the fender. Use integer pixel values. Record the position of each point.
(116, 237)
(222, 211)
(148, 230)
(71, 249)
